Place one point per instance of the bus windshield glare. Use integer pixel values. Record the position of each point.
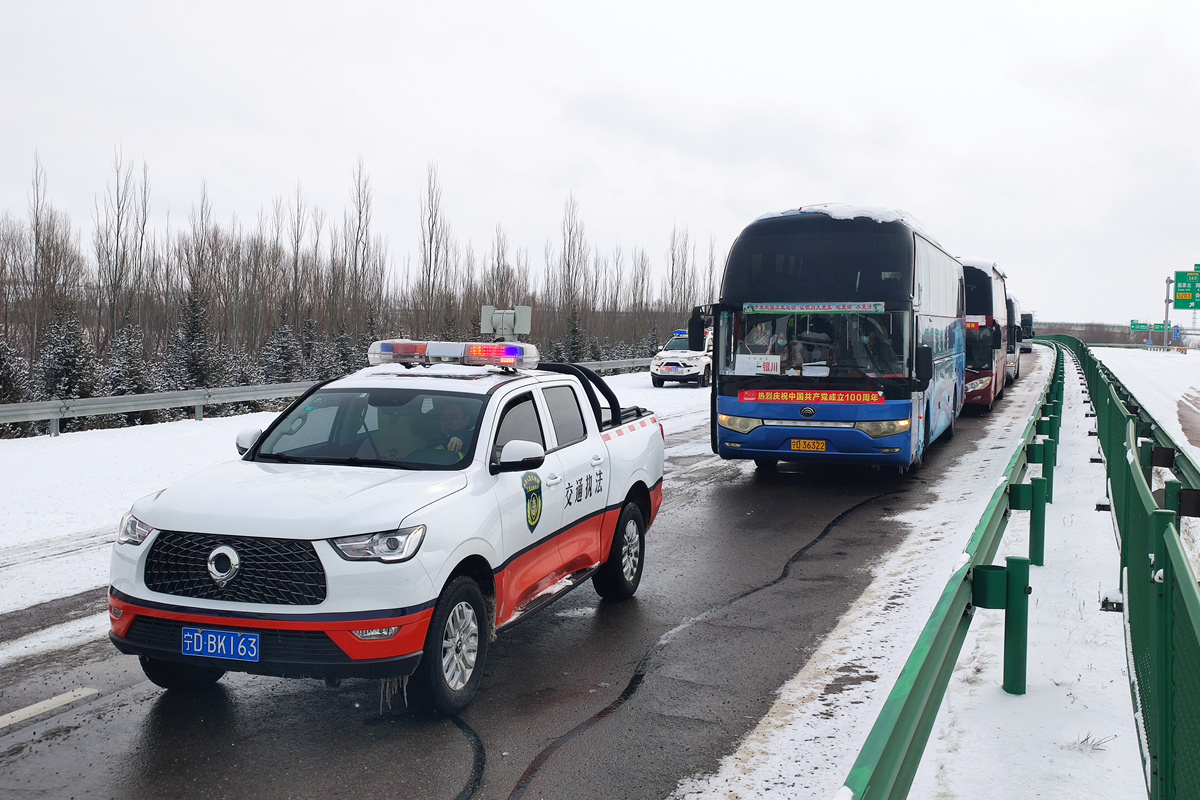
(775, 339)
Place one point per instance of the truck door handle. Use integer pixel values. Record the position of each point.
(551, 480)
(597, 460)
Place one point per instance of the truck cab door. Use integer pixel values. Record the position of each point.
(529, 513)
(585, 466)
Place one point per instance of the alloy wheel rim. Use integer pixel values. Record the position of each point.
(630, 551)
(460, 645)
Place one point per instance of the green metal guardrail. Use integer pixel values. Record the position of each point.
(892, 752)
(1161, 598)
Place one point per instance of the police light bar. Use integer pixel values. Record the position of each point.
(680, 333)
(515, 355)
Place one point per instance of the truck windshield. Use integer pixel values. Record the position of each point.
(379, 428)
(819, 345)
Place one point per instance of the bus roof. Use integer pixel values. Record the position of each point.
(852, 211)
(985, 264)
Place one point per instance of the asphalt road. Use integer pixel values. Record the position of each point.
(746, 573)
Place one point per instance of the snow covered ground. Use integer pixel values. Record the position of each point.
(1071, 735)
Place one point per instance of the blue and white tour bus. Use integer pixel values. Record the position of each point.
(838, 337)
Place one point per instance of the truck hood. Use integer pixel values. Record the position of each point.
(294, 501)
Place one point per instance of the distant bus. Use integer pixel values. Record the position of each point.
(1026, 333)
(839, 337)
(1013, 365)
(986, 332)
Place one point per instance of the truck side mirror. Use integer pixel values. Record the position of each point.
(518, 456)
(246, 439)
(924, 365)
(997, 337)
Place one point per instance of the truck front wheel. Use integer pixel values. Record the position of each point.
(619, 576)
(455, 648)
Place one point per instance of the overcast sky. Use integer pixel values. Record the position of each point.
(1059, 139)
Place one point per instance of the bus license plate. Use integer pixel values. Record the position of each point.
(220, 644)
(809, 445)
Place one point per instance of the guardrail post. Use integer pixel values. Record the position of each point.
(1161, 522)
(1016, 624)
(54, 426)
(199, 413)
(1049, 460)
(1037, 522)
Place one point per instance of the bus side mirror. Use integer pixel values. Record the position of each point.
(696, 331)
(924, 366)
(997, 337)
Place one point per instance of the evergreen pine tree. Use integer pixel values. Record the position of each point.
(281, 357)
(14, 388)
(191, 361)
(128, 373)
(576, 344)
(66, 366)
(650, 345)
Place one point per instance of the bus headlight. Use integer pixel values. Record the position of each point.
(738, 424)
(884, 427)
(982, 383)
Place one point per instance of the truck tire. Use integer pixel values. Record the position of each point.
(177, 675)
(619, 576)
(455, 648)
(656, 381)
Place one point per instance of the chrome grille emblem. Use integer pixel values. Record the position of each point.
(223, 565)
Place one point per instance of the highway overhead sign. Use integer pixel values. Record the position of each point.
(1187, 284)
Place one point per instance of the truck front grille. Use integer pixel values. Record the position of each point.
(272, 571)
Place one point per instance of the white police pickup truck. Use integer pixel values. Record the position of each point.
(388, 523)
(676, 362)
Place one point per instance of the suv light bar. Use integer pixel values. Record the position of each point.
(511, 355)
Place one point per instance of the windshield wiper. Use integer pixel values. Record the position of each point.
(284, 459)
(355, 461)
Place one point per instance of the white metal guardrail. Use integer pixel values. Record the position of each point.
(56, 410)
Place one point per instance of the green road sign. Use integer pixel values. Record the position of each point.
(1159, 327)
(1136, 327)
(1187, 284)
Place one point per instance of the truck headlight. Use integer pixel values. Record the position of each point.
(398, 545)
(132, 530)
(739, 424)
(982, 383)
(884, 427)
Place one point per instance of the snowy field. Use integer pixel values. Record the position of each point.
(1167, 383)
(1071, 735)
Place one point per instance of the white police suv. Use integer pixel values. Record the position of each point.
(389, 522)
(676, 362)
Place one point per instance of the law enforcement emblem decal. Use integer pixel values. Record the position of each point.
(532, 485)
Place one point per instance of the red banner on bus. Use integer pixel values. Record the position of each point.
(800, 396)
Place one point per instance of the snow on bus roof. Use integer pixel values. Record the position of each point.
(984, 264)
(852, 211)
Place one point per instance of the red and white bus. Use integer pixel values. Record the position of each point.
(987, 331)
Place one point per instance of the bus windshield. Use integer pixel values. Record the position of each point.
(783, 341)
(980, 354)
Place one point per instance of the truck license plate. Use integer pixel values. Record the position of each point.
(220, 644)
(809, 445)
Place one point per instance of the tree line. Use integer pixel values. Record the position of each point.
(298, 294)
